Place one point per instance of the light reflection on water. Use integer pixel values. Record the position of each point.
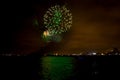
(57, 68)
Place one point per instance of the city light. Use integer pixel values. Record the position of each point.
(94, 53)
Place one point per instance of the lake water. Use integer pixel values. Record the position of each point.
(77, 68)
(60, 67)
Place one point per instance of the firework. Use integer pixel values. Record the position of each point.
(46, 36)
(58, 19)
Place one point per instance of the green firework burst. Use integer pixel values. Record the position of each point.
(58, 19)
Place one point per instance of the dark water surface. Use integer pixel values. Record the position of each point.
(76, 68)
(60, 67)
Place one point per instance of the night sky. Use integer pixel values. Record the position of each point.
(95, 25)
